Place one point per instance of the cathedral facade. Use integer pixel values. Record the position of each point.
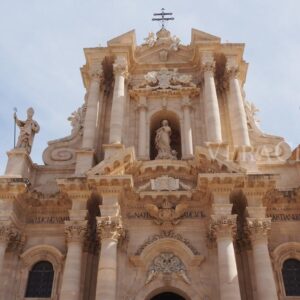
(166, 188)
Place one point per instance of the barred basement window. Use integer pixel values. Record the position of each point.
(40, 280)
(291, 277)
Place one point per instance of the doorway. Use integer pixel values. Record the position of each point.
(167, 296)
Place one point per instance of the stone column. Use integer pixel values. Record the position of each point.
(236, 107)
(75, 232)
(110, 230)
(5, 231)
(85, 156)
(90, 122)
(187, 128)
(211, 105)
(117, 110)
(223, 228)
(142, 146)
(265, 282)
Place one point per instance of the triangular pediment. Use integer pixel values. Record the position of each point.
(125, 39)
(162, 54)
(199, 36)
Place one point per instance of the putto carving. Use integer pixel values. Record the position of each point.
(167, 264)
(77, 120)
(110, 228)
(166, 213)
(75, 231)
(163, 37)
(28, 129)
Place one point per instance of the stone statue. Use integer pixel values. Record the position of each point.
(28, 129)
(163, 141)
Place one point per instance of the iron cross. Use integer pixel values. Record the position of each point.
(162, 18)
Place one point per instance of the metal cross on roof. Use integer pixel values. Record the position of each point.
(163, 19)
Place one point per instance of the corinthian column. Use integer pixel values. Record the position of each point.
(223, 228)
(5, 231)
(187, 128)
(85, 156)
(118, 102)
(75, 232)
(236, 107)
(142, 146)
(90, 122)
(265, 283)
(110, 230)
(211, 105)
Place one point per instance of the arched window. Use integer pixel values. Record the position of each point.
(291, 277)
(167, 296)
(40, 280)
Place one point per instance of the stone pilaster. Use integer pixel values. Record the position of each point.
(258, 229)
(223, 227)
(142, 144)
(211, 105)
(110, 230)
(187, 128)
(75, 232)
(85, 156)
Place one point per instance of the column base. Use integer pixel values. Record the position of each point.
(112, 149)
(19, 163)
(85, 160)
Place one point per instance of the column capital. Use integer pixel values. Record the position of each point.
(258, 229)
(223, 226)
(75, 231)
(120, 66)
(96, 73)
(110, 228)
(208, 62)
(232, 67)
(6, 230)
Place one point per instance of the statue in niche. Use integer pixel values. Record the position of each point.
(28, 129)
(163, 142)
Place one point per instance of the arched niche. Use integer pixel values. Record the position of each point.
(174, 122)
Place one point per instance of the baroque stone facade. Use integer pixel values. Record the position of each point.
(165, 184)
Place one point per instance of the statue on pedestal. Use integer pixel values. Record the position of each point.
(28, 129)
(163, 141)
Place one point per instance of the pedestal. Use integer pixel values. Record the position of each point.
(19, 163)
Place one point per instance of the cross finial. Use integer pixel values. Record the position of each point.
(162, 18)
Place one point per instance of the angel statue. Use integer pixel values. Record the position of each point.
(28, 129)
(163, 141)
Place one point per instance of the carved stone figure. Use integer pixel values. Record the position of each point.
(28, 129)
(167, 264)
(150, 39)
(167, 213)
(175, 41)
(163, 141)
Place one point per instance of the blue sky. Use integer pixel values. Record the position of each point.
(41, 51)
